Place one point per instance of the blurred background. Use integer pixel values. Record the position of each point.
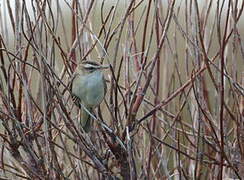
(174, 108)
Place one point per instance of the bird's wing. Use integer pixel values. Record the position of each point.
(75, 98)
(105, 86)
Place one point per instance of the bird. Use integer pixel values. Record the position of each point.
(88, 89)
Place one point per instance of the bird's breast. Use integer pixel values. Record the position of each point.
(92, 88)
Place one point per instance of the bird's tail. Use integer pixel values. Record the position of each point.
(85, 119)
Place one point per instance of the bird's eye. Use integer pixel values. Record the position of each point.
(90, 68)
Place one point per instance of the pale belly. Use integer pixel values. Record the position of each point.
(91, 89)
(95, 90)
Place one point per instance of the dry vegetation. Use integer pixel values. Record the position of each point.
(174, 108)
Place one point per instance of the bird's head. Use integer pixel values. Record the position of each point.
(87, 67)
